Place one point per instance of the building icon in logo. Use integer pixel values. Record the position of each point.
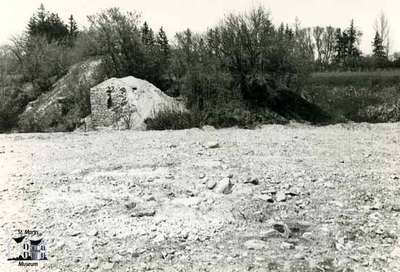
(25, 249)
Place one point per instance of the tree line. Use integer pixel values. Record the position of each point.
(338, 50)
(228, 73)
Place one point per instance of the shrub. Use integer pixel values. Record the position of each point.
(242, 117)
(28, 123)
(12, 103)
(175, 119)
(218, 117)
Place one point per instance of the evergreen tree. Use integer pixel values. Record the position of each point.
(353, 57)
(353, 40)
(50, 26)
(42, 14)
(340, 47)
(289, 32)
(348, 54)
(163, 60)
(162, 42)
(147, 35)
(72, 27)
(379, 52)
(72, 30)
(378, 48)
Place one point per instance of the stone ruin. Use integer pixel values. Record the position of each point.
(126, 103)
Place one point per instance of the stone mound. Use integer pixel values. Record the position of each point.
(50, 107)
(125, 103)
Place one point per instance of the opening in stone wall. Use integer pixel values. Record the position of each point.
(109, 99)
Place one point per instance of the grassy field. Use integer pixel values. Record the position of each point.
(356, 79)
(357, 96)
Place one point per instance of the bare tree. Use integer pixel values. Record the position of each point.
(328, 45)
(3, 71)
(318, 34)
(382, 26)
(18, 48)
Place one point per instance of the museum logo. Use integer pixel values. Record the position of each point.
(27, 248)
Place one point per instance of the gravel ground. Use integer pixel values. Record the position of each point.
(277, 198)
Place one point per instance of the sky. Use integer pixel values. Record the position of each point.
(177, 15)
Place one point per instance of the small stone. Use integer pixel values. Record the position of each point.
(375, 217)
(299, 256)
(185, 235)
(281, 196)
(108, 266)
(75, 233)
(395, 208)
(169, 176)
(286, 245)
(307, 235)
(211, 184)
(159, 238)
(395, 177)
(150, 179)
(265, 198)
(93, 233)
(376, 206)
(144, 213)
(379, 231)
(283, 229)
(93, 265)
(337, 203)
(366, 263)
(271, 233)
(224, 186)
(228, 175)
(130, 205)
(252, 180)
(117, 258)
(212, 145)
(293, 192)
(202, 176)
(256, 245)
(329, 185)
(150, 198)
(269, 192)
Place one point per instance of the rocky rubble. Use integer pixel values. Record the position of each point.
(47, 109)
(271, 199)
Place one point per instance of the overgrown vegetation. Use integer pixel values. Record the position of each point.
(357, 96)
(356, 79)
(243, 71)
(219, 118)
(174, 119)
(128, 48)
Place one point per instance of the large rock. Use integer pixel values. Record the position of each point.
(256, 245)
(125, 103)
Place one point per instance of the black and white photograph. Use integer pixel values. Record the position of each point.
(200, 135)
